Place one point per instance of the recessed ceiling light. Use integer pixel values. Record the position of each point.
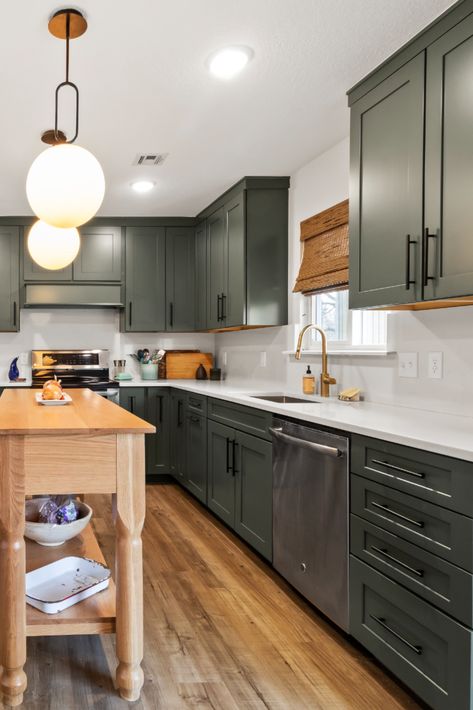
(227, 63)
(143, 186)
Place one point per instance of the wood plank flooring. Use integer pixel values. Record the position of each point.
(222, 631)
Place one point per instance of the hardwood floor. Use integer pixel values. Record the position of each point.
(222, 631)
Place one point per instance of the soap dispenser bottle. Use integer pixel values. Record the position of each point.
(308, 382)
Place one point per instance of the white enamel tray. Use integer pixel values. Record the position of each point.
(53, 402)
(63, 583)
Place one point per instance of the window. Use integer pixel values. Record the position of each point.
(345, 329)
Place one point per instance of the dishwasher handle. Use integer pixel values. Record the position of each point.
(278, 433)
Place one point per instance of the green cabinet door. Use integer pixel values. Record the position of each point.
(145, 279)
(386, 186)
(234, 295)
(100, 254)
(134, 400)
(196, 448)
(180, 269)
(254, 492)
(216, 267)
(178, 454)
(221, 479)
(9, 278)
(157, 445)
(448, 164)
(201, 276)
(34, 272)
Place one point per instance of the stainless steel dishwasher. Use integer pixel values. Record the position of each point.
(310, 515)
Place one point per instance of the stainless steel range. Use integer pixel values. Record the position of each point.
(75, 368)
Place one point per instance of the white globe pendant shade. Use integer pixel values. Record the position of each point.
(51, 247)
(65, 185)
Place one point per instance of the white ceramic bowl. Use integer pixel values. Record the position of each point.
(49, 534)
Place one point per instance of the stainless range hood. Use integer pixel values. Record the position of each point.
(73, 295)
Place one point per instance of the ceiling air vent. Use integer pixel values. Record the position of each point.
(150, 159)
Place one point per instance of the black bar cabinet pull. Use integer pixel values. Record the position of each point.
(160, 410)
(235, 446)
(382, 622)
(229, 468)
(14, 313)
(409, 242)
(398, 468)
(224, 304)
(427, 236)
(132, 404)
(387, 509)
(219, 317)
(129, 313)
(171, 315)
(385, 553)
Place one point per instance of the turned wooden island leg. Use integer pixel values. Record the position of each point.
(129, 518)
(12, 571)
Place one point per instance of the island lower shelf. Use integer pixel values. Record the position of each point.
(95, 615)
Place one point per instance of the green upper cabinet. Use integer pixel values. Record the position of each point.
(100, 255)
(247, 230)
(99, 258)
(216, 254)
(180, 278)
(386, 146)
(145, 279)
(9, 278)
(200, 284)
(449, 164)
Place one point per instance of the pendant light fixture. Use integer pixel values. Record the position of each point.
(65, 185)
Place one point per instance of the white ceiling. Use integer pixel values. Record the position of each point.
(144, 87)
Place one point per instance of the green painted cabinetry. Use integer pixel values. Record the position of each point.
(200, 284)
(177, 440)
(246, 246)
(134, 400)
(411, 165)
(9, 278)
(196, 448)
(157, 445)
(145, 279)
(221, 483)
(180, 278)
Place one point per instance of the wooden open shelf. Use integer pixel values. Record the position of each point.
(95, 615)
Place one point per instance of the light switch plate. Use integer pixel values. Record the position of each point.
(407, 364)
(435, 365)
(262, 359)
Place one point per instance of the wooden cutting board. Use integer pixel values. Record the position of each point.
(183, 366)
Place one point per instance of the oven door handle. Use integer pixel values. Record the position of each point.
(278, 433)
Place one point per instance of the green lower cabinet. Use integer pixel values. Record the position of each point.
(253, 469)
(196, 448)
(157, 445)
(221, 481)
(177, 435)
(134, 400)
(240, 487)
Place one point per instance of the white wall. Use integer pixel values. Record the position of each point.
(319, 184)
(86, 328)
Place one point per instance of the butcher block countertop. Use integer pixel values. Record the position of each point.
(88, 413)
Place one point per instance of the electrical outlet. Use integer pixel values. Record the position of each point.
(262, 359)
(224, 359)
(23, 359)
(435, 366)
(407, 364)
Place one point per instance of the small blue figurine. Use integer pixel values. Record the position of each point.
(13, 372)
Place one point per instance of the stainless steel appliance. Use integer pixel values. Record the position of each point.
(75, 368)
(310, 515)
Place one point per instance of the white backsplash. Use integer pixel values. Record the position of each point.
(83, 328)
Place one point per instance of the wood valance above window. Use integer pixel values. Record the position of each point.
(324, 264)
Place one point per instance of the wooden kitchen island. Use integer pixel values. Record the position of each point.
(88, 446)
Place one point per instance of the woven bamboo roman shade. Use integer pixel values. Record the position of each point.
(324, 265)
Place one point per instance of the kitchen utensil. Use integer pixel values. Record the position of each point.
(61, 584)
(50, 534)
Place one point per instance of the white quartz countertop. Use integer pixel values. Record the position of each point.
(441, 433)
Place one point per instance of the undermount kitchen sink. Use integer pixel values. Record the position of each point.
(282, 398)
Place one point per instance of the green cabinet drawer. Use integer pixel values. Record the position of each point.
(438, 530)
(445, 585)
(247, 419)
(423, 647)
(195, 478)
(197, 403)
(439, 479)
